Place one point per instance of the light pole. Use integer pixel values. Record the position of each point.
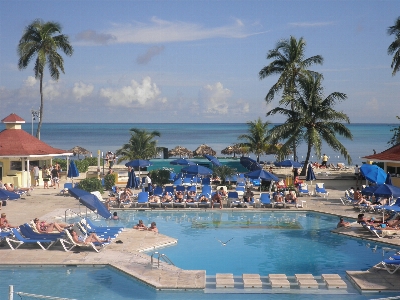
(35, 114)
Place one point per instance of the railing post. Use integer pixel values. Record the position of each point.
(11, 292)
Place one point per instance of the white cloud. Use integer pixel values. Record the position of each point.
(310, 24)
(30, 81)
(214, 98)
(136, 93)
(162, 31)
(82, 90)
(51, 90)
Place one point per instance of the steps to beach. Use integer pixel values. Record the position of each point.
(306, 281)
(224, 280)
(251, 281)
(279, 281)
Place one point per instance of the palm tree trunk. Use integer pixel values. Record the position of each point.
(303, 171)
(41, 107)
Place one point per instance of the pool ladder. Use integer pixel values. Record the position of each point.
(160, 256)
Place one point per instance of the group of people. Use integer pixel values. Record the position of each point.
(392, 222)
(49, 174)
(140, 226)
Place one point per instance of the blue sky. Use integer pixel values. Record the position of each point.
(197, 61)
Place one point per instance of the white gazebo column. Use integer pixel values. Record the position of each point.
(28, 177)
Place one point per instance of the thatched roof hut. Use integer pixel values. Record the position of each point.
(204, 149)
(180, 151)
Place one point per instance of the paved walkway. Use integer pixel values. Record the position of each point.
(127, 257)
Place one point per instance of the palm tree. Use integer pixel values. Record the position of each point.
(290, 64)
(224, 172)
(257, 138)
(315, 119)
(394, 47)
(40, 39)
(141, 145)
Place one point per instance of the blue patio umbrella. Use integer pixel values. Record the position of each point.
(250, 164)
(388, 179)
(182, 162)
(213, 160)
(7, 195)
(197, 170)
(72, 170)
(261, 174)
(387, 190)
(288, 163)
(373, 173)
(75, 192)
(138, 163)
(369, 190)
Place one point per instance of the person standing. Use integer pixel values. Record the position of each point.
(147, 183)
(36, 171)
(46, 177)
(55, 177)
(324, 160)
(357, 173)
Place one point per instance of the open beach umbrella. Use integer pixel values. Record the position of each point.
(262, 175)
(387, 190)
(180, 151)
(79, 150)
(197, 170)
(213, 160)
(373, 173)
(72, 171)
(138, 163)
(75, 192)
(288, 163)
(182, 162)
(388, 179)
(7, 195)
(204, 149)
(250, 164)
(369, 190)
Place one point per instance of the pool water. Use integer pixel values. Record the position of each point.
(263, 243)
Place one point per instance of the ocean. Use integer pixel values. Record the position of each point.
(111, 136)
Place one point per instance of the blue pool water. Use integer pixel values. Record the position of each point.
(262, 243)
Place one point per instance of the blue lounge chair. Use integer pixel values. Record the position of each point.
(143, 199)
(170, 189)
(303, 189)
(391, 265)
(158, 191)
(320, 190)
(187, 181)
(28, 232)
(68, 243)
(233, 199)
(206, 181)
(265, 200)
(240, 190)
(172, 176)
(177, 182)
(19, 239)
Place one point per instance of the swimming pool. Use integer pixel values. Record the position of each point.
(260, 242)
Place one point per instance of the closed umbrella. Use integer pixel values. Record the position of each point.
(213, 160)
(72, 171)
(132, 183)
(310, 175)
(373, 173)
(388, 179)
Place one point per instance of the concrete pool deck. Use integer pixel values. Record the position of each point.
(128, 257)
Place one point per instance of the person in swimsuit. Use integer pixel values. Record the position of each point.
(4, 222)
(44, 227)
(86, 240)
(140, 226)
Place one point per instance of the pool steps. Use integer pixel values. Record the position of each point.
(277, 281)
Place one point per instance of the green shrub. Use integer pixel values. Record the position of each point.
(109, 181)
(91, 185)
(159, 177)
(82, 165)
(92, 161)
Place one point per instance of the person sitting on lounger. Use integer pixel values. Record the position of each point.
(291, 197)
(203, 198)
(86, 240)
(4, 222)
(216, 198)
(167, 197)
(140, 225)
(124, 198)
(359, 198)
(342, 223)
(9, 187)
(44, 227)
(179, 196)
(153, 227)
(154, 199)
(248, 195)
(278, 197)
(191, 195)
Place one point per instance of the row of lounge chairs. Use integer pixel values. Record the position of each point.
(26, 234)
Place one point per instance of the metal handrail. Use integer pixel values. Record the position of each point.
(163, 257)
(68, 209)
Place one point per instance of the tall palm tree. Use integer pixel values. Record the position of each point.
(315, 119)
(289, 63)
(394, 48)
(257, 138)
(43, 39)
(141, 145)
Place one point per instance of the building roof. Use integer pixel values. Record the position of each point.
(390, 155)
(13, 118)
(19, 143)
